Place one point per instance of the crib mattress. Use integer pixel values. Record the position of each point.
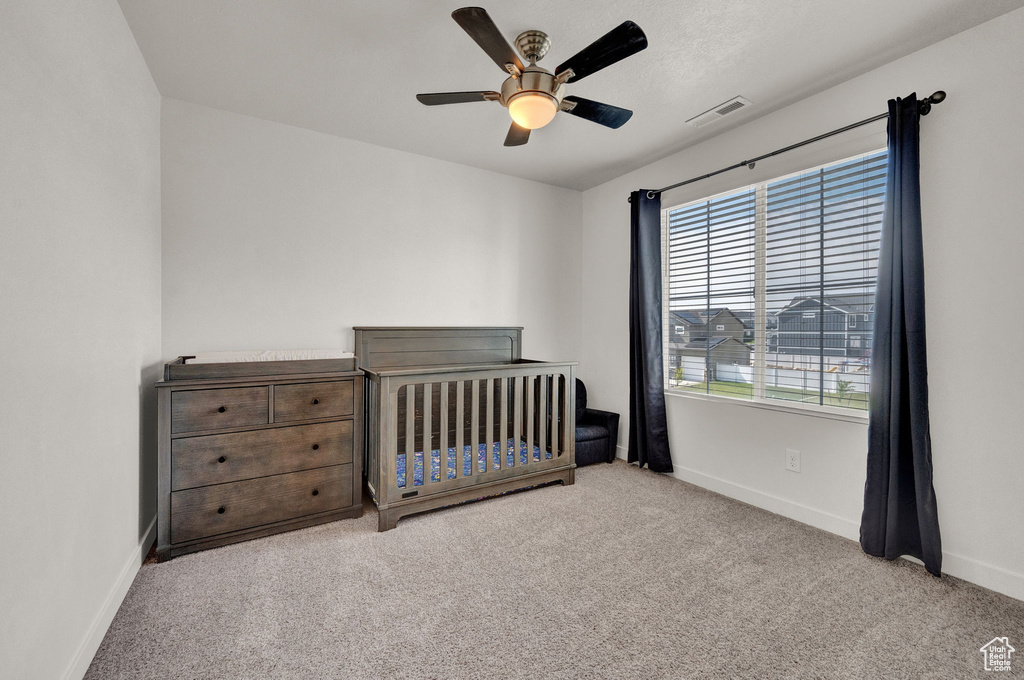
(525, 456)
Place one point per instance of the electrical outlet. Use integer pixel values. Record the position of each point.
(792, 460)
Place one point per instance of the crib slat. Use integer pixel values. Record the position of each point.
(442, 432)
(389, 436)
(489, 439)
(410, 436)
(529, 418)
(542, 416)
(556, 417)
(517, 418)
(460, 427)
(567, 403)
(474, 426)
(503, 423)
(427, 434)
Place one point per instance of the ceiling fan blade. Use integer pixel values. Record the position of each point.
(623, 41)
(477, 22)
(517, 136)
(602, 114)
(436, 98)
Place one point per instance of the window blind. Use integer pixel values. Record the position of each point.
(711, 294)
(771, 287)
(822, 238)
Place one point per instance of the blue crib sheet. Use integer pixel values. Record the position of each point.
(435, 461)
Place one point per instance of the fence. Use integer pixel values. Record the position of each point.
(694, 370)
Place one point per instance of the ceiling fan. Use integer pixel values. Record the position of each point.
(534, 95)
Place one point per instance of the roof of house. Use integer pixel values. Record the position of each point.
(703, 316)
(744, 315)
(851, 303)
(686, 316)
(710, 343)
(854, 302)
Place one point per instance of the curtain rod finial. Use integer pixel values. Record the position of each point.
(924, 106)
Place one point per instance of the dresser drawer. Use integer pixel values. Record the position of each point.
(198, 410)
(312, 400)
(220, 458)
(212, 510)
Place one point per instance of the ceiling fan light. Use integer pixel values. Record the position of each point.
(532, 110)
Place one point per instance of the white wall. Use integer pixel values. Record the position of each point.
(973, 168)
(278, 237)
(79, 326)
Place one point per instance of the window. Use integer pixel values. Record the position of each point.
(788, 265)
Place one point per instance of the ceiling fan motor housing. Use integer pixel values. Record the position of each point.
(534, 80)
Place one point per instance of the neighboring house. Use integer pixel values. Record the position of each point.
(711, 335)
(841, 323)
(746, 317)
(681, 326)
(711, 352)
(686, 325)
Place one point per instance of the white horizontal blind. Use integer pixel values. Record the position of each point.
(815, 290)
(711, 295)
(823, 231)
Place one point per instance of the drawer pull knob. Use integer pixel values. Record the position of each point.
(220, 510)
(316, 492)
(222, 409)
(316, 447)
(316, 401)
(221, 459)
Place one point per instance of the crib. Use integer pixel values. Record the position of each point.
(455, 414)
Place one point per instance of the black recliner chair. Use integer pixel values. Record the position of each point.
(597, 432)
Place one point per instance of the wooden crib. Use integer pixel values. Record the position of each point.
(455, 414)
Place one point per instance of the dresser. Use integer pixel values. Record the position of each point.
(249, 449)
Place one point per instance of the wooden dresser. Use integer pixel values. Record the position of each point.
(249, 449)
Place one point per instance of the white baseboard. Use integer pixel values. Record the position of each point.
(985, 575)
(980, 573)
(780, 506)
(94, 636)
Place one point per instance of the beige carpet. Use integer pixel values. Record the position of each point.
(627, 574)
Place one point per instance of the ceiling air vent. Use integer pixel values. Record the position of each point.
(723, 109)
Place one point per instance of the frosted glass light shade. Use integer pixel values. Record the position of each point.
(532, 110)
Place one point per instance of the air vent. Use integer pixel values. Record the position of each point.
(723, 109)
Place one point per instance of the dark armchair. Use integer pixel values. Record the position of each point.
(597, 432)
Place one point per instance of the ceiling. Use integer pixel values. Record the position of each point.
(351, 68)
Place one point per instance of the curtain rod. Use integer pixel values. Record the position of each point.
(924, 107)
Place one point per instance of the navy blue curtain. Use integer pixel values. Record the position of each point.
(899, 501)
(648, 432)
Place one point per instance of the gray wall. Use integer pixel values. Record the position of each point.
(79, 326)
